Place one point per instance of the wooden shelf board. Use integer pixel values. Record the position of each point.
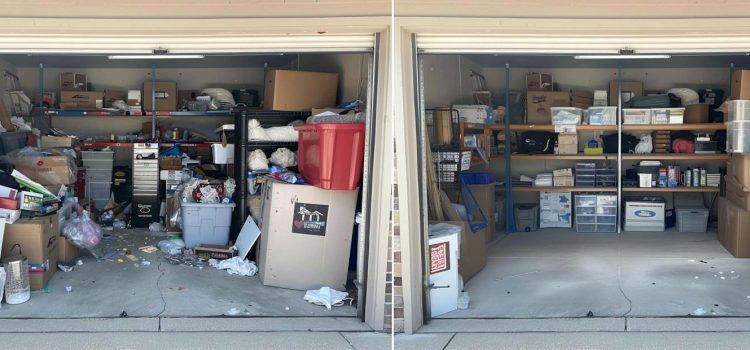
(652, 127)
(549, 127)
(670, 189)
(581, 156)
(564, 189)
(675, 156)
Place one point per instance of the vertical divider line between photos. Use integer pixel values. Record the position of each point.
(510, 224)
(619, 148)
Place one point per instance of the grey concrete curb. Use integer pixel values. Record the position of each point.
(42, 325)
(524, 325)
(264, 324)
(686, 324)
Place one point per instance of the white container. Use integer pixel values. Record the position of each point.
(97, 155)
(98, 175)
(636, 116)
(566, 115)
(645, 180)
(223, 154)
(644, 216)
(480, 114)
(738, 137)
(738, 110)
(444, 254)
(98, 192)
(204, 223)
(102, 164)
(667, 115)
(605, 115)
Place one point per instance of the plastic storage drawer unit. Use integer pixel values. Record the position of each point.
(331, 155)
(739, 110)
(204, 223)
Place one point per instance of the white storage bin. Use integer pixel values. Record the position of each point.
(103, 164)
(667, 115)
(605, 115)
(97, 155)
(739, 110)
(223, 154)
(98, 175)
(692, 219)
(566, 115)
(636, 116)
(204, 223)
(738, 137)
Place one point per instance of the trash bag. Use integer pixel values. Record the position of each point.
(325, 296)
(172, 246)
(83, 232)
(645, 145)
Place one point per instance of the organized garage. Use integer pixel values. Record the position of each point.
(572, 181)
(166, 184)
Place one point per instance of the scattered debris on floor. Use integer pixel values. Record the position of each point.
(463, 300)
(699, 312)
(64, 268)
(68, 289)
(233, 311)
(235, 266)
(326, 296)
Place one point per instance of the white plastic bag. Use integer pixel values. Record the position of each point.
(235, 266)
(283, 157)
(645, 145)
(326, 297)
(172, 246)
(257, 160)
(255, 132)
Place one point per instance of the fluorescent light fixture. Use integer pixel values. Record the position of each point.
(619, 57)
(154, 57)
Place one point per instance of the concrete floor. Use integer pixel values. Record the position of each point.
(106, 288)
(561, 273)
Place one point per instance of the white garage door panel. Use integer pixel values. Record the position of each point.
(184, 44)
(466, 43)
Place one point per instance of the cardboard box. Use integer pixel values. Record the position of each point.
(629, 88)
(563, 181)
(37, 239)
(696, 113)
(170, 163)
(214, 251)
(737, 193)
(111, 96)
(473, 250)
(733, 233)
(740, 89)
(134, 98)
(287, 90)
(81, 99)
(67, 252)
(166, 96)
(738, 165)
(485, 197)
(72, 82)
(563, 172)
(57, 141)
(538, 104)
(306, 236)
(52, 170)
(539, 82)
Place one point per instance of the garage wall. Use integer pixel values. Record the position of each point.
(6, 66)
(573, 8)
(352, 69)
(447, 79)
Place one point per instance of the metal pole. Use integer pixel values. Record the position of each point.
(41, 102)
(510, 223)
(619, 144)
(153, 101)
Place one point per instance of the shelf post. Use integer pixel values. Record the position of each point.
(619, 144)
(510, 224)
(153, 101)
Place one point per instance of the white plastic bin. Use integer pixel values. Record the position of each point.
(738, 137)
(205, 223)
(603, 115)
(636, 116)
(566, 115)
(223, 154)
(667, 115)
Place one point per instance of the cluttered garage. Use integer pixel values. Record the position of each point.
(184, 185)
(563, 185)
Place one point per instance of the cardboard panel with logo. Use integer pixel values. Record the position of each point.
(288, 90)
(737, 193)
(72, 82)
(740, 89)
(738, 165)
(734, 235)
(306, 235)
(81, 99)
(57, 141)
(67, 252)
(51, 170)
(111, 96)
(37, 239)
(538, 104)
(166, 96)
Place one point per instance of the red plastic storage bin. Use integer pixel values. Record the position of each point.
(331, 155)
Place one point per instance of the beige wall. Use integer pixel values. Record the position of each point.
(352, 69)
(195, 8)
(573, 8)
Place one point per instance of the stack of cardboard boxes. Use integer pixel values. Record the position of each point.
(734, 207)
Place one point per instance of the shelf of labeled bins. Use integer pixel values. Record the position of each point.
(550, 127)
(580, 156)
(106, 113)
(670, 189)
(675, 127)
(676, 156)
(564, 189)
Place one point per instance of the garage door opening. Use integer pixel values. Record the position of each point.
(106, 104)
(615, 215)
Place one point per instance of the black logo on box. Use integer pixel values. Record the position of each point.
(310, 219)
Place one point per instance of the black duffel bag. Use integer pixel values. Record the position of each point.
(537, 142)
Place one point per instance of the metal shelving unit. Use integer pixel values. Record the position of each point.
(242, 147)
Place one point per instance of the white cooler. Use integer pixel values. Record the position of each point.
(444, 251)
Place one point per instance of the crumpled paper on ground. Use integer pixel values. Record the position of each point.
(235, 266)
(326, 297)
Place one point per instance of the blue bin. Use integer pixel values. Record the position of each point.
(477, 178)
